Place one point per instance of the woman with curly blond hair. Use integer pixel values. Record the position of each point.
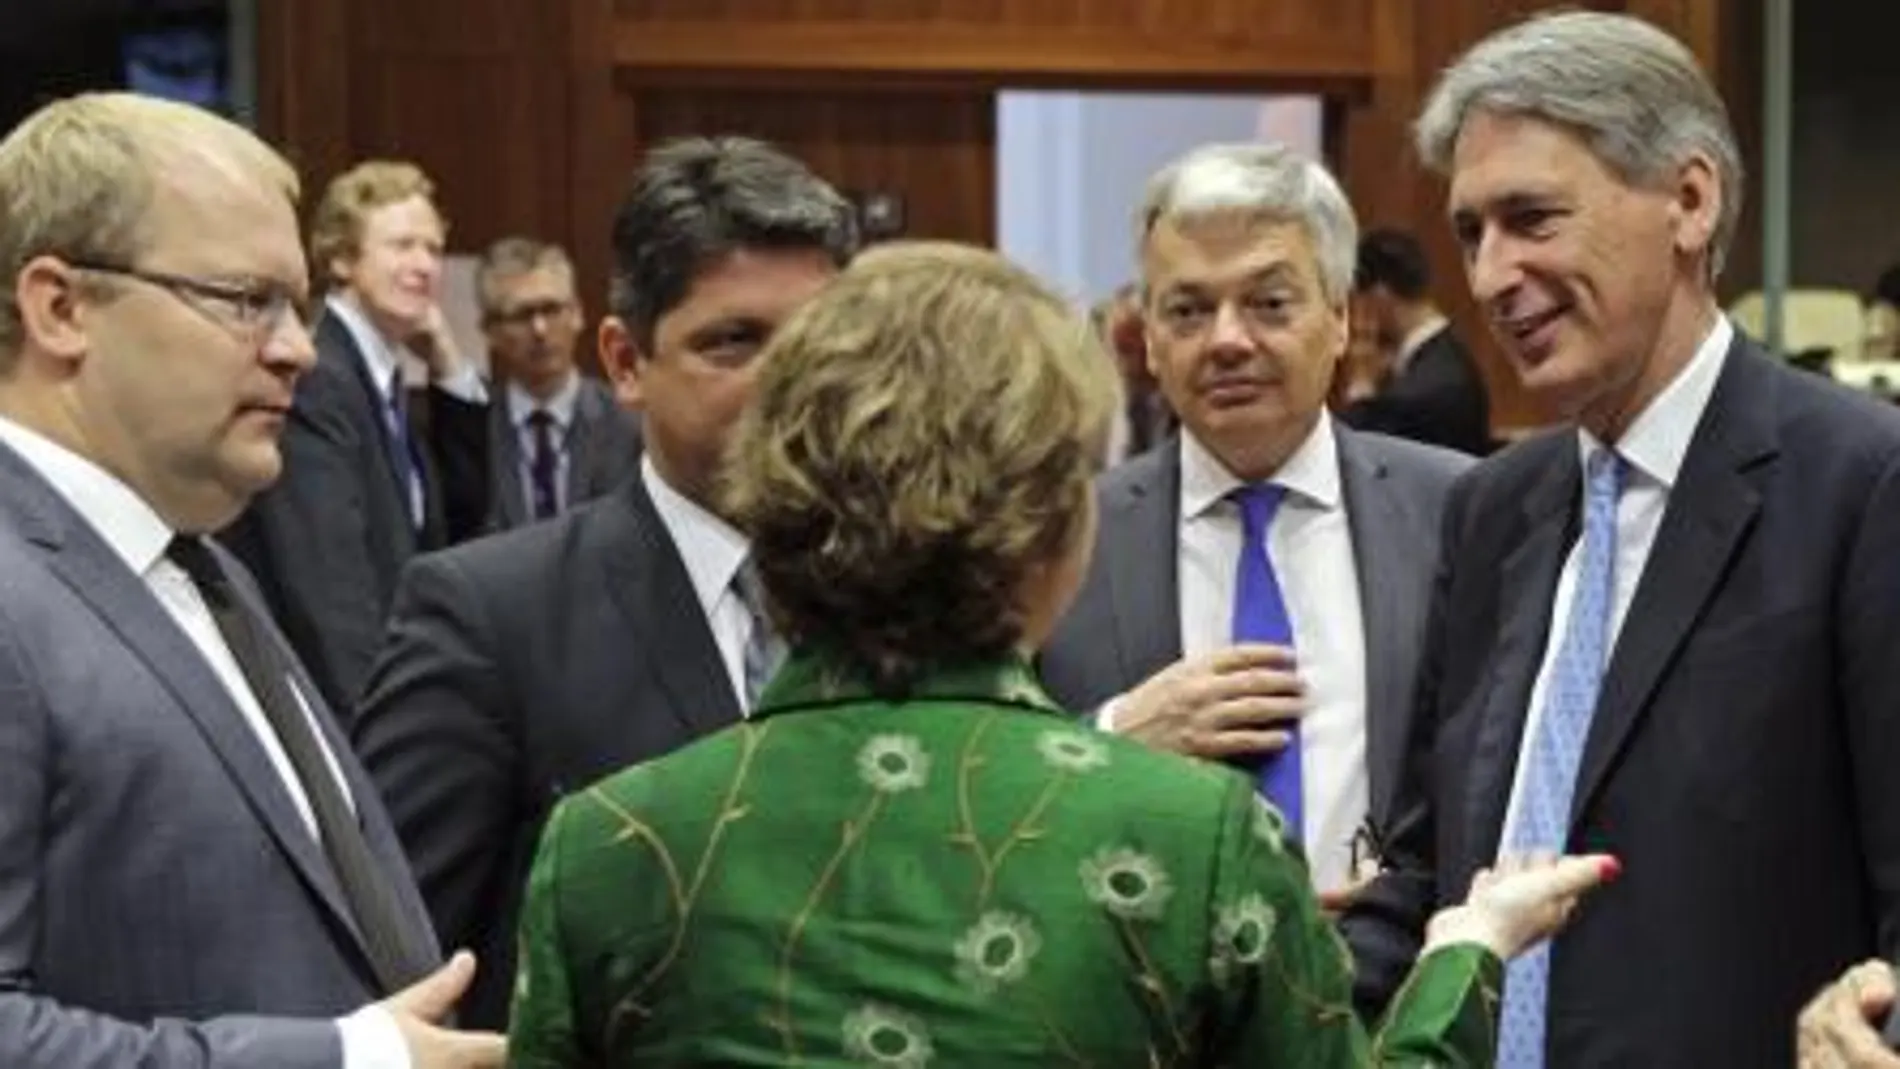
(908, 855)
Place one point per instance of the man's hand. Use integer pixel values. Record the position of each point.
(1837, 1030)
(435, 343)
(1337, 901)
(420, 1009)
(1235, 701)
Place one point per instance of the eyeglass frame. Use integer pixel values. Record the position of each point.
(523, 316)
(257, 311)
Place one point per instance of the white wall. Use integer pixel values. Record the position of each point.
(1070, 168)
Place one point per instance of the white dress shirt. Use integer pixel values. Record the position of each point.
(139, 537)
(1310, 545)
(713, 552)
(521, 405)
(1652, 450)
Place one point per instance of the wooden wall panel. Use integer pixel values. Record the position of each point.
(1082, 41)
(937, 149)
(532, 115)
(474, 91)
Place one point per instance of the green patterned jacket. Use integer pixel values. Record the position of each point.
(963, 878)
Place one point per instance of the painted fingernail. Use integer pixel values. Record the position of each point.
(1609, 869)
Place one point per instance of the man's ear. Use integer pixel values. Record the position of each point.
(1696, 205)
(52, 315)
(622, 361)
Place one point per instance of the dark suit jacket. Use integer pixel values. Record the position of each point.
(1125, 624)
(162, 904)
(518, 668)
(1439, 398)
(1741, 758)
(603, 446)
(328, 541)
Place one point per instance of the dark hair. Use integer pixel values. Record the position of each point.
(1887, 286)
(697, 200)
(1395, 260)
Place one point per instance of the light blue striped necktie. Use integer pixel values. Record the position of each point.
(1576, 677)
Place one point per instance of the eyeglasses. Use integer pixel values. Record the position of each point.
(524, 315)
(254, 311)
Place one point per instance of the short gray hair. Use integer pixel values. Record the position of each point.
(1263, 180)
(512, 257)
(1635, 94)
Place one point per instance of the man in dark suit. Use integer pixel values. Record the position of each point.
(1672, 633)
(1432, 391)
(194, 871)
(1245, 302)
(368, 481)
(527, 665)
(556, 438)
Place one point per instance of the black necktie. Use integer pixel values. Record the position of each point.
(544, 464)
(371, 899)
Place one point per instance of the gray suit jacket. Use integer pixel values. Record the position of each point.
(603, 452)
(519, 668)
(1125, 624)
(162, 904)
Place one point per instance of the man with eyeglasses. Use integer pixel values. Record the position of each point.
(368, 482)
(195, 873)
(556, 439)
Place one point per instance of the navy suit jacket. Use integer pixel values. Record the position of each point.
(1740, 761)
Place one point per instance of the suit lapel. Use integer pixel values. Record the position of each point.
(1384, 535)
(582, 459)
(656, 597)
(1140, 539)
(89, 568)
(1527, 587)
(335, 340)
(1710, 511)
(509, 508)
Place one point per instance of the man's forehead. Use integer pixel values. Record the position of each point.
(1224, 249)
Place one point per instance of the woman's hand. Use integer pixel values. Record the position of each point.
(1520, 902)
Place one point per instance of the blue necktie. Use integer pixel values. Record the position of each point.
(1576, 676)
(1260, 616)
(402, 449)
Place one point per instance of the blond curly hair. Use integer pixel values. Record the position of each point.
(920, 437)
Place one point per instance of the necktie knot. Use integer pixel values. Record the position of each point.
(194, 558)
(1258, 502)
(1603, 473)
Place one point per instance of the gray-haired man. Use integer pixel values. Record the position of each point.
(1671, 633)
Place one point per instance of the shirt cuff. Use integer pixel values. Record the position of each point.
(464, 385)
(371, 1040)
(1105, 714)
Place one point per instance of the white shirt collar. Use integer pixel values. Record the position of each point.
(1413, 342)
(380, 356)
(136, 533)
(1658, 438)
(712, 550)
(1310, 473)
(522, 404)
